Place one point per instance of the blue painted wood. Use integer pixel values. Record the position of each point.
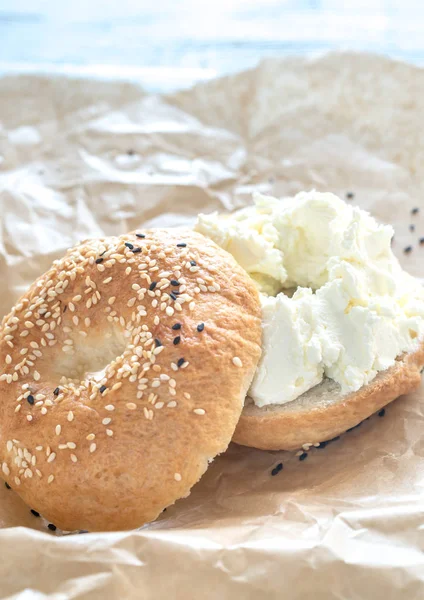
(177, 42)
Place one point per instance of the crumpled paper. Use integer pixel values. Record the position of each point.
(82, 158)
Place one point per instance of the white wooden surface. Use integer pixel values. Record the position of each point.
(175, 42)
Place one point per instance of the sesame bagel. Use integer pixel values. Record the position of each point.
(124, 373)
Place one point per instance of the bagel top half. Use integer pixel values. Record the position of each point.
(124, 370)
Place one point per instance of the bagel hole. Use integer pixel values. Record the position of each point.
(91, 356)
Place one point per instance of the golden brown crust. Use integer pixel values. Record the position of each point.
(113, 457)
(326, 413)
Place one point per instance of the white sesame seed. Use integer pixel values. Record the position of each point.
(5, 469)
(17, 481)
(171, 404)
(87, 322)
(36, 375)
(58, 429)
(109, 432)
(51, 457)
(199, 411)
(8, 359)
(70, 416)
(73, 458)
(50, 479)
(29, 417)
(237, 362)
(71, 445)
(106, 421)
(131, 406)
(93, 447)
(90, 436)
(177, 477)
(44, 410)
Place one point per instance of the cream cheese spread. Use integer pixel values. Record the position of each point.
(335, 301)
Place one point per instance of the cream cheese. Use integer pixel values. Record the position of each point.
(354, 310)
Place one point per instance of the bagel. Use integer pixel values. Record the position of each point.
(124, 372)
(324, 412)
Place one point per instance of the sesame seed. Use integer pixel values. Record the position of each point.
(177, 477)
(73, 458)
(50, 525)
(303, 456)
(277, 469)
(93, 447)
(153, 285)
(51, 457)
(30, 399)
(176, 340)
(200, 327)
(422, 241)
(58, 429)
(181, 245)
(407, 250)
(382, 412)
(8, 359)
(199, 411)
(237, 362)
(169, 311)
(171, 404)
(56, 391)
(106, 421)
(70, 416)
(99, 260)
(131, 406)
(415, 211)
(71, 445)
(5, 469)
(49, 480)
(109, 407)
(102, 389)
(90, 436)
(128, 245)
(136, 250)
(140, 235)
(109, 432)
(17, 481)
(29, 417)
(180, 362)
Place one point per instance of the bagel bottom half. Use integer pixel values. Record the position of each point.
(323, 412)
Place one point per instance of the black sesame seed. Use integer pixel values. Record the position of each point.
(128, 245)
(52, 527)
(334, 439)
(193, 263)
(180, 362)
(136, 250)
(408, 249)
(35, 513)
(277, 469)
(350, 195)
(7, 485)
(303, 456)
(83, 531)
(382, 412)
(102, 389)
(176, 326)
(131, 152)
(182, 245)
(322, 444)
(177, 340)
(415, 211)
(56, 392)
(422, 241)
(174, 282)
(157, 343)
(65, 308)
(140, 235)
(412, 227)
(30, 399)
(104, 252)
(153, 285)
(173, 296)
(99, 260)
(200, 327)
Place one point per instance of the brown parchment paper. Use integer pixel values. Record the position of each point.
(82, 158)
